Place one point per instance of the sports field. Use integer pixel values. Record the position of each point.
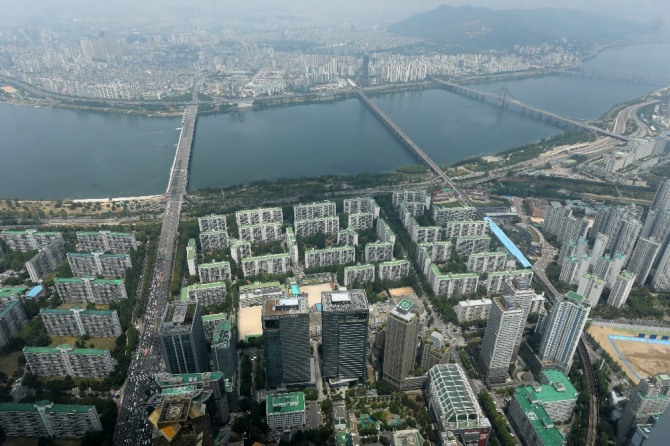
(638, 356)
(249, 321)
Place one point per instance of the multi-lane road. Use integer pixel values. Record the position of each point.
(132, 428)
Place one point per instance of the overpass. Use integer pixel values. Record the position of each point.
(132, 428)
(617, 76)
(527, 110)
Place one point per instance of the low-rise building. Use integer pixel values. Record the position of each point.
(207, 294)
(239, 249)
(215, 272)
(212, 223)
(108, 241)
(467, 228)
(268, 264)
(319, 225)
(309, 211)
(338, 255)
(214, 240)
(378, 252)
(90, 290)
(66, 360)
(442, 215)
(496, 279)
(472, 310)
(12, 319)
(361, 221)
(285, 410)
(407, 437)
(46, 260)
(192, 257)
(484, 262)
(470, 245)
(79, 322)
(98, 264)
(46, 419)
(359, 274)
(262, 232)
(393, 270)
(347, 237)
(28, 239)
(259, 216)
(446, 284)
(211, 321)
(256, 293)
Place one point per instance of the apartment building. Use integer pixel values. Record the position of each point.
(239, 249)
(361, 204)
(319, 225)
(378, 252)
(214, 240)
(467, 228)
(79, 322)
(98, 264)
(469, 245)
(46, 260)
(212, 223)
(442, 215)
(361, 221)
(473, 310)
(215, 272)
(309, 211)
(393, 270)
(338, 255)
(262, 232)
(358, 274)
(347, 237)
(46, 419)
(484, 262)
(108, 241)
(90, 290)
(384, 231)
(28, 239)
(65, 360)
(12, 319)
(259, 216)
(268, 264)
(206, 294)
(256, 293)
(447, 284)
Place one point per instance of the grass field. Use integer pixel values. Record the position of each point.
(9, 363)
(108, 343)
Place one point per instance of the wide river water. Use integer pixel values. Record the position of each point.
(52, 153)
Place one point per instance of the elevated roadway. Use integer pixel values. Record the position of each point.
(132, 428)
(617, 76)
(527, 110)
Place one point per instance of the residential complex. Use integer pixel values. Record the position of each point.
(484, 262)
(454, 405)
(46, 419)
(206, 294)
(361, 204)
(66, 360)
(262, 232)
(79, 322)
(285, 410)
(12, 319)
(393, 270)
(107, 241)
(402, 330)
(446, 284)
(360, 221)
(90, 290)
(98, 264)
(182, 338)
(442, 215)
(214, 272)
(268, 264)
(212, 223)
(29, 239)
(46, 260)
(259, 216)
(318, 225)
(286, 341)
(344, 331)
(214, 240)
(309, 211)
(378, 252)
(338, 255)
(473, 310)
(358, 274)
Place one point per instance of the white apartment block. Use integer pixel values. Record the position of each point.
(269, 264)
(484, 262)
(259, 216)
(239, 249)
(472, 310)
(292, 246)
(347, 237)
(79, 321)
(285, 410)
(359, 274)
(409, 210)
(496, 279)
(90, 290)
(470, 245)
(427, 253)
(378, 252)
(384, 231)
(424, 234)
(622, 286)
(361, 204)
(339, 255)
(591, 287)
(262, 232)
(405, 196)
(215, 272)
(66, 360)
(98, 264)
(212, 223)
(116, 242)
(319, 225)
(29, 239)
(214, 240)
(442, 215)
(207, 294)
(468, 228)
(446, 284)
(361, 221)
(309, 211)
(192, 257)
(394, 270)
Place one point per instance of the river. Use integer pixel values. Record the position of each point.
(51, 153)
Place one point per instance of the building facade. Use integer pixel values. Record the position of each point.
(116, 242)
(214, 240)
(446, 284)
(359, 274)
(206, 294)
(308, 211)
(215, 272)
(79, 322)
(66, 360)
(506, 319)
(394, 270)
(285, 410)
(90, 290)
(484, 262)
(338, 255)
(318, 225)
(361, 221)
(46, 260)
(29, 239)
(46, 419)
(98, 264)
(269, 264)
(402, 331)
(182, 338)
(262, 232)
(378, 252)
(212, 223)
(12, 320)
(259, 216)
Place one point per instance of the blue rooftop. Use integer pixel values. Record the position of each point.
(509, 245)
(35, 291)
(318, 307)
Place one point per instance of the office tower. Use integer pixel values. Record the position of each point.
(563, 329)
(224, 350)
(454, 405)
(286, 340)
(502, 329)
(181, 421)
(661, 280)
(402, 330)
(627, 236)
(650, 397)
(662, 197)
(46, 419)
(643, 258)
(621, 289)
(344, 331)
(182, 338)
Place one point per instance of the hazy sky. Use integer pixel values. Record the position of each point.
(382, 9)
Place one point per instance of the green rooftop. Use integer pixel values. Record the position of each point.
(266, 257)
(91, 279)
(190, 249)
(574, 296)
(359, 267)
(8, 308)
(206, 286)
(285, 402)
(71, 351)
(32, 407)
(70, 310)
(259, 285)
(106, 255)
(448, 276)
(97, 233)
(539, 419)
(215, 317)
(166, 379)
(214, 264)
